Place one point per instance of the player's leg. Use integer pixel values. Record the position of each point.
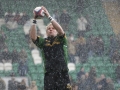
(63, 82)
(67, 79)
(49, 83)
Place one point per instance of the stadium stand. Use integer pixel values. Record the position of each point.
(100, 26)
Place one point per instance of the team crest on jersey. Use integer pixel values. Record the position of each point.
(54, 43)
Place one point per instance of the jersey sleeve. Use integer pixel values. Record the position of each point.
(39, 42)
(63, 39)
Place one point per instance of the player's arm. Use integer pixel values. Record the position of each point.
(57, 27)
(33, 31)
(54, 23)
(37, 40)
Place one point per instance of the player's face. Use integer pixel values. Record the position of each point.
(51, 31)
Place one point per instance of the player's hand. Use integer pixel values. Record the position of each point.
(34, 15)
(69, 86)
(46, 11)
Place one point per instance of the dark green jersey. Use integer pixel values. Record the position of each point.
(54, 52)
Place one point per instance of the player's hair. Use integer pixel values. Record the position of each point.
(48, 26)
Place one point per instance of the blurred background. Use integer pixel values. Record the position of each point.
(93, 31)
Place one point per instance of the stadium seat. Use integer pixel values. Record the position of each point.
(71, 66)
(40, 70)
(31, 64)
(27, 27)
(37, 60)
(1, 66)
(73, 74)
(34, 76)
(117, 86)
(32, 70)
(35, 51)
(86, 67)
(8, 66)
